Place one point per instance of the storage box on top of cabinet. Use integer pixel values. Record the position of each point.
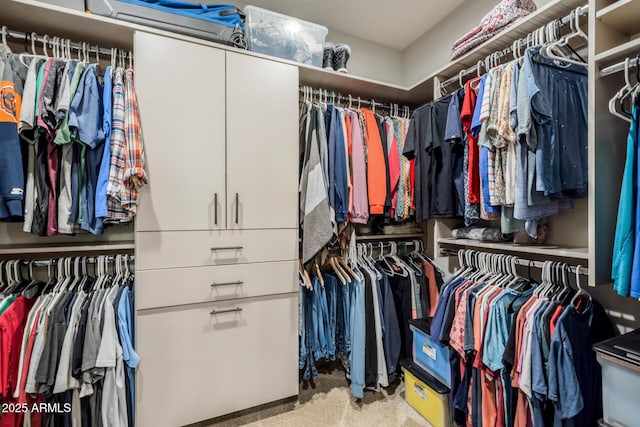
(284, 36)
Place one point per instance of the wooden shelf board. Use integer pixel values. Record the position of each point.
(540, 250)
(621, 15)
(618, 52)
(50, 249)
(390, 236)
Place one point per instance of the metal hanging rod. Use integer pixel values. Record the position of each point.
(339, 97)
(31, 38)
(614, 69)
(520, 261)
(89, 260)
(581, 11)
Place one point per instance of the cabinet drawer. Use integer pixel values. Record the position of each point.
(171, 249)
(196, 365)
(162, 288)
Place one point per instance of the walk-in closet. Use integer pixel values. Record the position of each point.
(319, 213)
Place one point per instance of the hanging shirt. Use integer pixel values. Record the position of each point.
(376, 172)
(635, 273)
(455, 137)
(418, 147)
(624, 242)
(466, 118)
(360, 214)
(443, 190)
(118, 156)
(135, 177)
(314, 201)
(11, 169)
(394, 163)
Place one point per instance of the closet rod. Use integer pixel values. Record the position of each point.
(614, 69)
(88, 260)
(520, 261)
(582, 10)
(359, 100)
(79, 46)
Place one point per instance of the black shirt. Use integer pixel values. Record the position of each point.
(443, 190)
(415, 147)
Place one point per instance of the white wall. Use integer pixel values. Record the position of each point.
(433, 49)
(372, 60)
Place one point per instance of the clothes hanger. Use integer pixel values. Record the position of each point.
(316, 268)
(581, 291)
(45, 41)
(620, 94)
(631, 91)
(4, 37)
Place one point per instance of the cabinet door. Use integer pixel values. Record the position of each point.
(262, 143)
(181, 93)
(196, 365)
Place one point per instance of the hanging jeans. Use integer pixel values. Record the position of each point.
(357, 332)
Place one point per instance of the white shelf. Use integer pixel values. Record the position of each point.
(555, 9)
(621, 15)
(30, 15)
(390, 236)
(540, 250)
(613, 54)
(61, 249)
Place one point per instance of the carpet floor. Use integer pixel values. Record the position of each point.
(327, 401)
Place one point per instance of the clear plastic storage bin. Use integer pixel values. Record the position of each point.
(619, 358)
(283, 36)
(429, 353)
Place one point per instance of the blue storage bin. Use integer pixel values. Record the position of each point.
(430, 354)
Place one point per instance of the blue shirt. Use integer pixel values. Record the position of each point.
(635, 273)
(439, 317)
(484, 179)
(502, 311)
(623, 246)
(103, 175)
(476, 124)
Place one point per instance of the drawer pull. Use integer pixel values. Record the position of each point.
(237, 206)
(230, 310)
(239, 282)
(215, 208)
(227, 248)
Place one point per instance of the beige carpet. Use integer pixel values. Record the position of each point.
(327, 402)
(338, 408)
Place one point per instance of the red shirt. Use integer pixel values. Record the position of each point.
(12, 324)
(466, 117)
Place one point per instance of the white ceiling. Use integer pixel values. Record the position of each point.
(396, 24)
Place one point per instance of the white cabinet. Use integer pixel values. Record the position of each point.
(181, 95)
(206, 360)
(216, 232)
(262, 152)
(222, 150)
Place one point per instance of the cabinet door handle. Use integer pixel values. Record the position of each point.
(215, 208)
(227, 248)
(237, 207)
(230, 310)
(239, 282)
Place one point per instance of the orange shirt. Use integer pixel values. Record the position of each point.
(377, 170)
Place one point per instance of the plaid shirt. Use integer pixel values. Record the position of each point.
(134, 175)
(116, 213)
